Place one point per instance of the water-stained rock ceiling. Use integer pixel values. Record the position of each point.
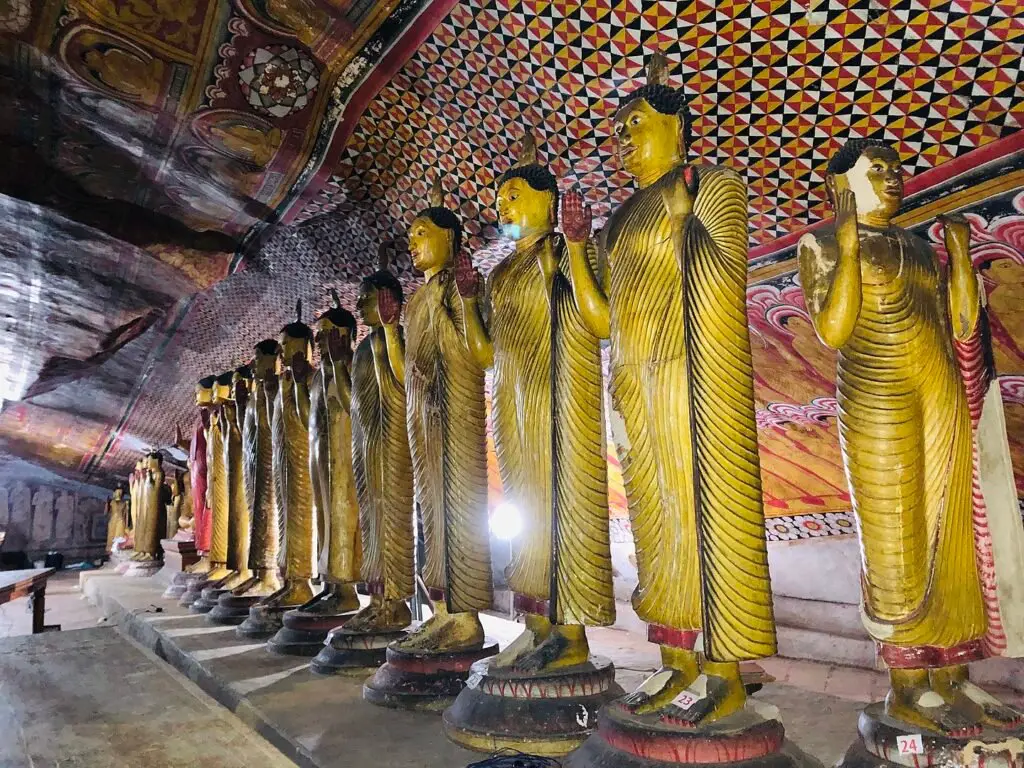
(182, 172)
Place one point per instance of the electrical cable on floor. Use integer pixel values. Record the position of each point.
(510, 758)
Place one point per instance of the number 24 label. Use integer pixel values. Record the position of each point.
(911, 744)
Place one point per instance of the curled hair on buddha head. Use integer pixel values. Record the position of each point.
(268, 347)
(340, 316)
(298, 329)
(443, 217)
(207, 382)
(226, 378)
(660, 95)
(244, 370)
(847, 157)
(383, 279)
(529, 169)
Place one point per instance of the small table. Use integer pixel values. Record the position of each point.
(28, 583)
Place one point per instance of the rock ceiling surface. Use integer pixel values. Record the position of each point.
(175, 163)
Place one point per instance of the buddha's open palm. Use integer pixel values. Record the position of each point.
(467, 279)
(388, 307)
(577, 217)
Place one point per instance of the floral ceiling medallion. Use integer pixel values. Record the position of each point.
(278, 80)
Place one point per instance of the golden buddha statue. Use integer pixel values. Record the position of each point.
(447, 425)
(233, 411)
(175, 506)
(548, 419)
(151, 523)
(186, 519)
(198, 468)
(117, 514)
(671, 297)
(257, 451)
(330, 464)
(134, 496)
(290, 452)
(383, 469)
(218, 479)
(899, 319)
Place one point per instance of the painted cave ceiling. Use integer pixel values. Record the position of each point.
(182, 172)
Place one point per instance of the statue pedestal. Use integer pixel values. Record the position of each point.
(208, 597)
(888, 743)
(353, 653)
(423, 681)
(142, 568)
(232, 609)
(303, 633)
(178, 555)
(265, 617)
(119, 559)
(194, 586)
(546, 713)
(751, 738)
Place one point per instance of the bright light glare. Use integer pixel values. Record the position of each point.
(506, 521)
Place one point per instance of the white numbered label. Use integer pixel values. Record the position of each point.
(686, 699)
(911, 744)
(474, 680)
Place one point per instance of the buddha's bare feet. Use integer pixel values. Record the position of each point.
(218, 574)
(993, 712)
(262, 586)
(380, 616)
(335, 599)
(236, 580)
(564, 647)
(293, 594)
(445, 632)
(243, 588)
(657, 691)
(706, 699)
(200, 567)
(521, 646)
(921, 707)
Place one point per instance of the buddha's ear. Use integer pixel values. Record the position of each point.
(437, 193)
(553, 208)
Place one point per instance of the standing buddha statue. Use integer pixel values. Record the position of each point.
(383, 477)
(153, 496)
(117, 514)
(548, 419)
(234, 409)
(175, 506)
(671, 296)
(909, 330)
(447, 423)
(218, 488)
(198, 468)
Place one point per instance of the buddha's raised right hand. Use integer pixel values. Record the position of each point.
(577, 217)
(847, 233)
(467, 278)
(388, 307)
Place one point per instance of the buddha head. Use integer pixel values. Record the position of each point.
(527, 196)
(222, 388)
(872, 170)
(204, 391)
(294, 343)
(241, 383)
(118, 493)
(435, 235)
(652, 126)
(369, 288)
(334, 333)
(264, 359)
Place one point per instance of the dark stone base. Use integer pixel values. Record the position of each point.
(744, 740)
(263, 622)
(547, 713)
(423, 681)
(207, 599)
(353, 653)
(231, 609)
(304, 633)
(179, 583)
(878, 746)
(194, 586)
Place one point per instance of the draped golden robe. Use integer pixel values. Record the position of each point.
(905, 431)
(383, 471)
(291, 453)
(257, 458)
(238, 509)
(217, 489)
(683, 412)
(342, 552)
(447, 426)
(548, 421)
(116, 521)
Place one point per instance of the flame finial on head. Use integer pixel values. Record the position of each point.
(335, 299)
(657, 69)
(383, 256)
(527, 150)
(437, 193)
(298, 310)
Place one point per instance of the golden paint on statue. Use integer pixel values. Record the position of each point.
(901, 322)
(383, 469)
(233, 411)
(218, 488)
(257, 459)
(175, 508)
(152, 494)
(446, 417)
(199, 476)
(117, 518)
(330, 445)
(670, 295)
(548, 422)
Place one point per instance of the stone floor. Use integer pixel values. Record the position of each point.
(72, 688)
(64, 606)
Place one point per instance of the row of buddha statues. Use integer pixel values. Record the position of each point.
(301, 473)
(159, 504)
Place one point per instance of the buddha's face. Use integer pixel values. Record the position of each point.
(430, 246)
(204, 396)
(876, 180)
(263, 364)
(523, 210)
(221, 393)
(366, 305)
(294, 354)
(118, 494)
(649, 142)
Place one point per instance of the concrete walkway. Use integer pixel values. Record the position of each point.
(91, 698)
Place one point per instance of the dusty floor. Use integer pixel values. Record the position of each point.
(89, 698)
(64, 606)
